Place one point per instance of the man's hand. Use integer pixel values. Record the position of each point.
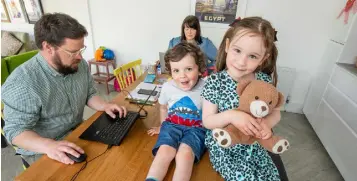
(112, 108)
(56, 150)
(266, 130)
(153, 131)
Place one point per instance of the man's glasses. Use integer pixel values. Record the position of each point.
(73, 54)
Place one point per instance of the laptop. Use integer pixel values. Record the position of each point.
(112, 131)
(162, 62)
(108, 130)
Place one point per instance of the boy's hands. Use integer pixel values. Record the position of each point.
(153, 131)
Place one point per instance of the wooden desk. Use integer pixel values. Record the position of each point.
(130, 161)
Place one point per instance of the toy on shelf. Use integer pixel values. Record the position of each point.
(103, 54)
(98, 55)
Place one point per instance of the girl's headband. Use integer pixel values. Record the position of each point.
(238, 19)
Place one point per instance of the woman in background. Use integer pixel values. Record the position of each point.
(191, 32)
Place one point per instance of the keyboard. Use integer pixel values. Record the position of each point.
(121, 126)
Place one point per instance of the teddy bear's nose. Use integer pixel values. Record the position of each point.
(264, 108)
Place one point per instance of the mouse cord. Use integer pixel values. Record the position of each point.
(86, 162)
(141, 116)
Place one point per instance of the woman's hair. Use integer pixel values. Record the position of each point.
(192, 22)
(259, 26)
(181, 50)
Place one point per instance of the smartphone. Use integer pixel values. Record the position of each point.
(147, 92)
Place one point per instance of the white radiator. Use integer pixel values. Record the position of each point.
(286, 79)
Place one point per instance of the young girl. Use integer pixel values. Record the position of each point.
(181, 135)
(246, 52)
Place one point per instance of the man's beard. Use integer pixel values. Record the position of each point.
(63, 69)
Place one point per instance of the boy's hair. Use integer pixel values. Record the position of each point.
(54, 28)
(259, 26)
(192, 22)
(181, 50)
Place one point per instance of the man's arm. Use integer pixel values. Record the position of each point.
(56, 150)
(30, 140)
(19, 123)
(21, 113)
(97, 103)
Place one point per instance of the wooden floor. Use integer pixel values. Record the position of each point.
(306, 160)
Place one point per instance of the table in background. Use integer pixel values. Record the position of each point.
(102, 77)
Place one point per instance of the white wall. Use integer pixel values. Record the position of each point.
(137, 29)
(77, 9)
(141, 28)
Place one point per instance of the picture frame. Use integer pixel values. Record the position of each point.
(217, 16)
(4, 14)
(33, 10)
(15, 11)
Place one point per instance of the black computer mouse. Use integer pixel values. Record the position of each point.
(80, 159)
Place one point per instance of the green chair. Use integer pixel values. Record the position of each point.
(9, 64)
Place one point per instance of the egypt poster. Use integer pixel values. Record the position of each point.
(216, 11)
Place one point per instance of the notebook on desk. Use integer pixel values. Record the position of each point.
(135, 96)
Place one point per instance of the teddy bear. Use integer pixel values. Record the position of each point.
(259, 99)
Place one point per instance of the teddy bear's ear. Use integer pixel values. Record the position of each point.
(280, 101)
(242, 85)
